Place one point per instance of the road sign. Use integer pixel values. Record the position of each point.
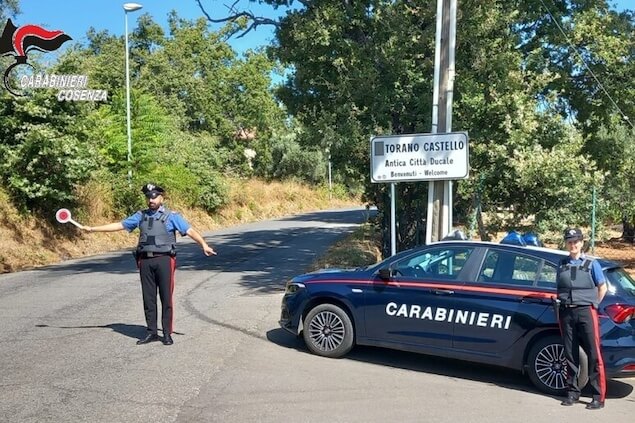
(419, 157)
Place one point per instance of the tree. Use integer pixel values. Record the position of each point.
(614, 149)
(364, 68)
(588, 49)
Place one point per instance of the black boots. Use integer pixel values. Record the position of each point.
(167, 339)
(595, 405)
(571, 399)
(151, 337)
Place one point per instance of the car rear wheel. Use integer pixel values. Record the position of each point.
(547, 366)
(328, 331)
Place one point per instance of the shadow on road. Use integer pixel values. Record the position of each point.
(457, 369)
(131, 331)
(268, 257)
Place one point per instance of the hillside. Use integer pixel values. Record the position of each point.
(30, 242)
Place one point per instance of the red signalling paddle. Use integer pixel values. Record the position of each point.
(64, 216)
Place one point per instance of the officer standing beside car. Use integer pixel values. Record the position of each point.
(156, 257)
(581, 286)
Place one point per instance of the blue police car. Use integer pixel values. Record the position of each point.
(477, 301)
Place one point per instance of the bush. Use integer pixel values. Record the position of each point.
(197, 186)
(291, 161)
(181, 184)
(42, 171)
(214, 192)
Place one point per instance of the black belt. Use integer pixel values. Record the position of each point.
(574, 305)
(151, 254)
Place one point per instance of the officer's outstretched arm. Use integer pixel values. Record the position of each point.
(192, 233)
(111, 227)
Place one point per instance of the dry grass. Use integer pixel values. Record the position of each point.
(361, 248)
(30, 242)
(252, 200)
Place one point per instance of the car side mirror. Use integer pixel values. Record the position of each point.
(386, 273)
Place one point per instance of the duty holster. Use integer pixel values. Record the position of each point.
(556, 307)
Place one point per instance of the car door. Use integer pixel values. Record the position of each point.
(504, 303)
(411, 309)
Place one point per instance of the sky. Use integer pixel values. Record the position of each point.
(75, 17)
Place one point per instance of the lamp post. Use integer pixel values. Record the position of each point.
(129, 7)
(328, 153)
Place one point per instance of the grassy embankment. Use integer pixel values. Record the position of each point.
(361, 248)
(30, 242)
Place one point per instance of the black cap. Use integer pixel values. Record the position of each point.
(152, 191)
(573, 234)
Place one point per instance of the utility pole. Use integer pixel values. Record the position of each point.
(439, 217)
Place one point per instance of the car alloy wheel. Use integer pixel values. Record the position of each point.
(551, 367)
(547, 367)
(328, 331)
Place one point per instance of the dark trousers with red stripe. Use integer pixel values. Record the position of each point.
(579, 326)
(157, 273)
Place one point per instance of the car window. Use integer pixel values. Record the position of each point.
(445, 263)
(618, 277)
(508, 267)
(547, 277)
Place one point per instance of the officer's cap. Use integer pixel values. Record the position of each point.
(571, 234)
(152, 191)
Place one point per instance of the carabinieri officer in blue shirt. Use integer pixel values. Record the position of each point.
(581, 286)
(156, 257)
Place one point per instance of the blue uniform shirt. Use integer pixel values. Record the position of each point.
(174, 222)
(596, 269)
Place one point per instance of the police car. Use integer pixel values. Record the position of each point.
(477, 301)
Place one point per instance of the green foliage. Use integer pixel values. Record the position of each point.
(43, 154)
(181, 184)
(152, 129)
(595, 44)
(289, 160)
(365, 68)
(193, 188)
(541, 134)
(614, 150)
(556, 183)
(213, 192)
(197, 156)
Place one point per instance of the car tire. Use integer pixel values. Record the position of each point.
(328, 331)
(547, 366)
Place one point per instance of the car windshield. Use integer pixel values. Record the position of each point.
(617, 276)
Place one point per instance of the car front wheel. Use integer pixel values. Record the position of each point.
(547, 367)
(328, 331)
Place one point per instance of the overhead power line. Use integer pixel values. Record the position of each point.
(597, 80)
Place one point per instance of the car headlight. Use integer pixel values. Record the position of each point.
(293, 287)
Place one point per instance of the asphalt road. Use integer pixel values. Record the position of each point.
(68, 352)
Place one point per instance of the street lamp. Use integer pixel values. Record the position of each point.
(129, 7)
